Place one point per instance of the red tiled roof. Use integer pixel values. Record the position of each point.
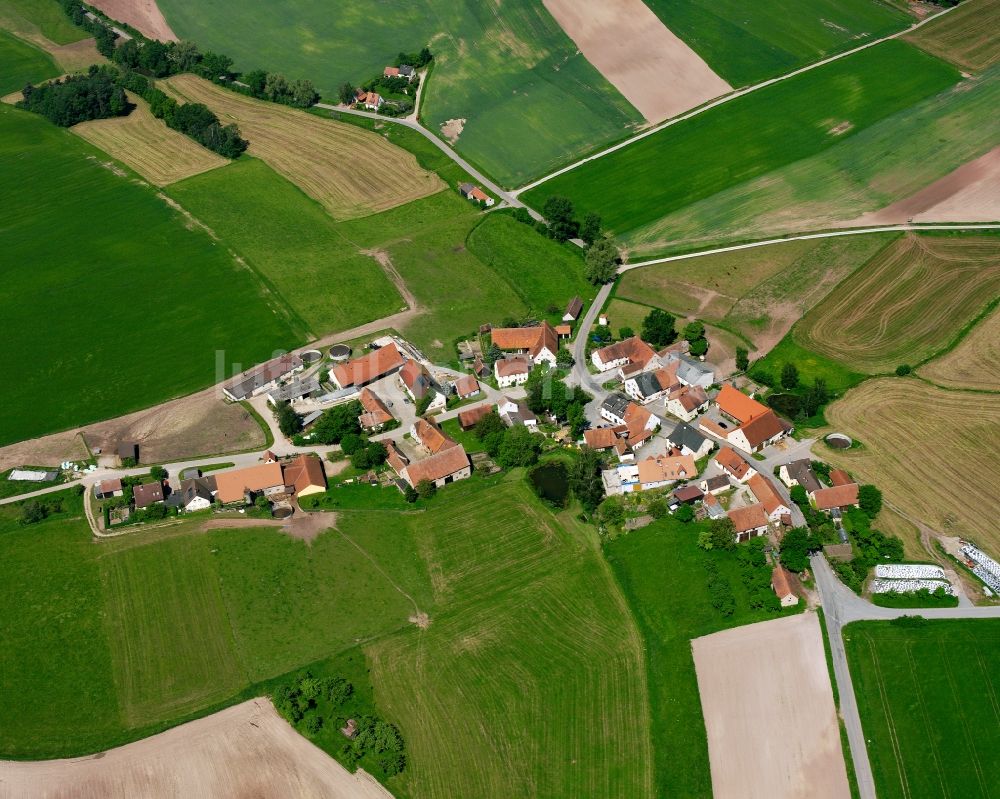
(762, 428)
(600, 438)
(438, 466)
(766, 494)
(466, 386)
(637, 351)
(732, 463)
(507, 367)
(376, 413)
(748, 518)
(667, 467)
(564, 330)
(532, 339)
(368, 368)
(391, 72)
(147, 494)
(690, 397)
(839, 477)
(467, 419)
(840, 496)
(478, 194)
(304, 472)
(230, 486)
(431, 436)
(738, 405)
(780, 582)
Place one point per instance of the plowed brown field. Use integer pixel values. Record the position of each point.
(349, 171)
(932, 451)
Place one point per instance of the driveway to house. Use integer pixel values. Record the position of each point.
(841, 606)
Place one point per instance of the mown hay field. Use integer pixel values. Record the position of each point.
(529, 680)
(760, 293)
(160, 154)
(861, 173)
(928, 698)
(749, 43)
(966, 36)
(906, 303)
(750, 136)
(529, 100)
(287, 238)
(932, 451)
(349, 171)
(974, 363)
(125, 304)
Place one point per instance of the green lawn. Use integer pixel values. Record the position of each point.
(530, 100)
(660, 571)
(124, 305)
(811, 365)
(291, 241)
(928, 702)
(750, 136)
(20, 63)
(530, 658)
(47, 15)
(746, 43)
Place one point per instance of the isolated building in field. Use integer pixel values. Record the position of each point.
(540, 344)
(512, 371)
(369, 368)
(262, 378)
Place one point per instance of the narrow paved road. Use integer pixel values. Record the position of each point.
(841, 606)
(723, 100)
(581, 376)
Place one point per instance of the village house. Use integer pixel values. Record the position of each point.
(109, 488)
(639, 422)
(468, 419)
(512, 371)
(479, 369)
(402, 71)
(630, 357)
(716, 485)
(767, 495)
(368, 368)
(262, 378)
(655, 472)
(194, 494)
(476, 194)
(758, 426)
(691, 372)
(147, 494)
(372, 101)
(734, 465)
(799, 473)
(839, 477)
(242, 485)
(447, 466)
(269, 456)
(835, 498)
(540, 344)
(516, 413)
(686, 495)
(712, 506)
(749, 522)
(689, 441)
(305, 476)
(573, 310)
(294, 391)
(647, 387)
(417, 384)
(375, 414)
(781, 582)
(430, 437)
(687, 402)
(610, 438)
(467, 387)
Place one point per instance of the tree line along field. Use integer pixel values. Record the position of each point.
(349, 171)
(86, 343)
(529, 99)
(747, 44)
(888, 161)
(177, 622)
(775, 126)
(964, 36)
(928, 698)
(974, 363)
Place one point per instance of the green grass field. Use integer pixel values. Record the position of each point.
(530, 100)
(660, 571)
(293, 243)
(928, 698)
(530, 659)
(45, 15)
(20, 63)
(124, 306)
(746, 44)
(886, 162)
(750, 136)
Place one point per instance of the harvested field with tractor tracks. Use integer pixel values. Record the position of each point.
(974, 363)
(966, 36)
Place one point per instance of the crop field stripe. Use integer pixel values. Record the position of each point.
(890, 724)
(956, 695)
(927, 725)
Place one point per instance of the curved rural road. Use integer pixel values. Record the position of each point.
(841, 606)
(723, 100)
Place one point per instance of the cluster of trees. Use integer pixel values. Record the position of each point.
(602, 258)
(547, 394)
(364, 454)
(276, 88)
(720, 592)
(391, 86)
(658, 328)
(756, 575)
(38, 510)
(289, 421)
(585, 479)
(801, 401)
(314, 704)
(796, 547)
(77, 98)
(508, 446)
(721, 534)
(337, 422)
(742, 359)
(694, 334)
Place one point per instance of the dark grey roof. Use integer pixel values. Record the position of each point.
(717, 482)
(465, 188)
(683, 435)
(190, 489)
(801, 471)
(616, 404)
(128, 450)
(691, 371)
(405, 70)
(648, 384)
(296, 389)
(574, 307)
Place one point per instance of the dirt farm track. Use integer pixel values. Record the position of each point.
(241, 752)
(766, 696)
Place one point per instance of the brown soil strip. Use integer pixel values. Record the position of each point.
(143, 15)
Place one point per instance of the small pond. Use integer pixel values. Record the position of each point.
(551, 482)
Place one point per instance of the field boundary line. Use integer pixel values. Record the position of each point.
(725, 99)
(890, 724)
(380, 570)
(928, 727)
(970, 741)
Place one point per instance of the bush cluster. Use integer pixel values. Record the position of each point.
(78, 98)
